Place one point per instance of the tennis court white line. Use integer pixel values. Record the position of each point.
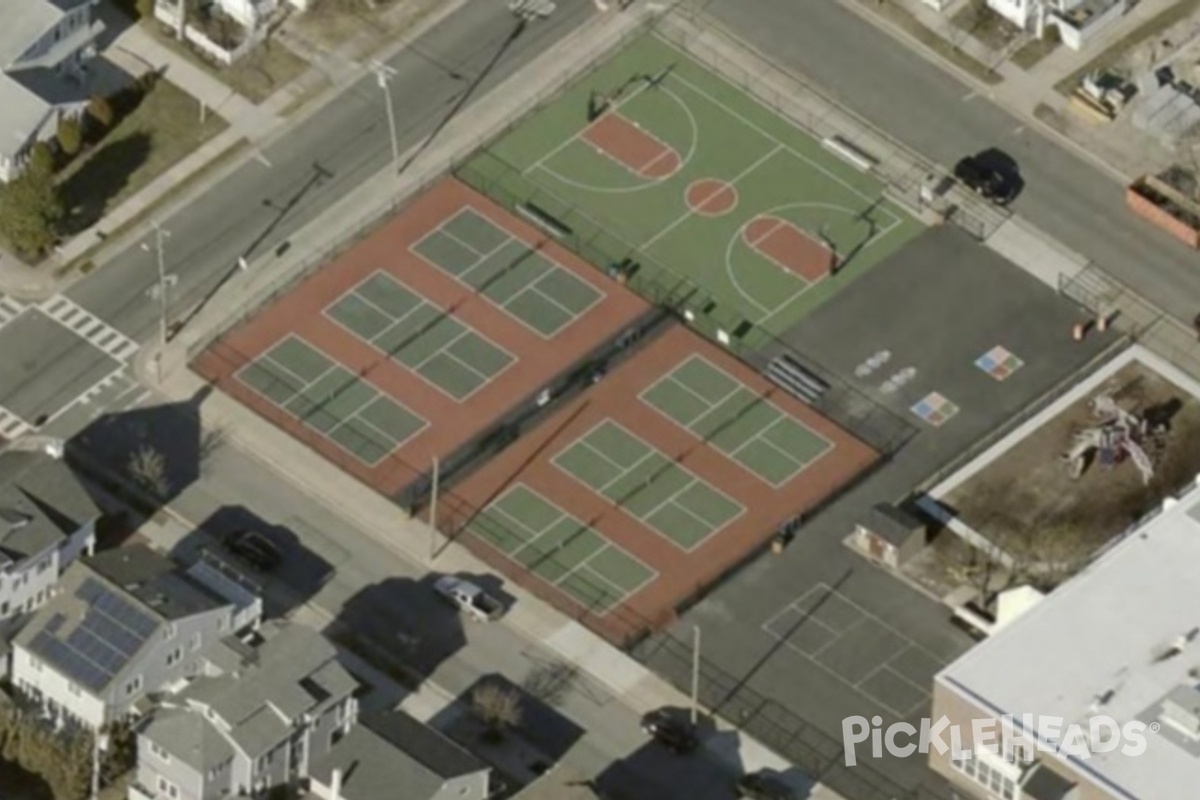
(766, 135)
(563, 145)
(534, 288)
(596, 451)
(354, 414)
(712, 408)
(646, 245)
(478, 255)
(334, 364)
(631, 469)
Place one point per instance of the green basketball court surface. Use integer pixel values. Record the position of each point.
(702, 180)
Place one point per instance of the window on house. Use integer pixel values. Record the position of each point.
(73, 688)
(134, 685)
(162, 754)
(169, 632)
(34, 664)
(174, 656)
(43, 565)
(992, 780)
(196, 641)
(167, 788)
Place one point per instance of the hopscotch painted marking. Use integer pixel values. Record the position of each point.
(98, 332)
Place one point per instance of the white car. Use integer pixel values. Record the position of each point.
(469, 598)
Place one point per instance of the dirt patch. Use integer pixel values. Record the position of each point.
(1027, 503)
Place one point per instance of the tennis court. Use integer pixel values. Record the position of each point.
(696, 179)
(561, 550)
(609, 491)
(395, 320)
(331, 400)
(635, 475)
(397, 352)
(749, 428)
(529, 286)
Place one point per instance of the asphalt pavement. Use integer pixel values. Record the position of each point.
(938, 115)
(254, 210)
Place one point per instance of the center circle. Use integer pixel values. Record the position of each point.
(710, 197)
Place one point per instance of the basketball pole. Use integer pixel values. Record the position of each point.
(433, 501)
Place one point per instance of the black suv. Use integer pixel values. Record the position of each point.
(671, 731)
(761, 786)
(991, 174)
(255, 549)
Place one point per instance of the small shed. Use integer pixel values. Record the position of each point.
(890, 534)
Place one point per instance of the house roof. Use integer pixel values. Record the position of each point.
(392, 749)
(1116, 640)
(41, 503)
(22, 114)
(110, 611)
(290, 672)
(189, 737)
(25, 21)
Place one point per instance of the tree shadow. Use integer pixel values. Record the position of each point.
(88, 192)
(405, 626)
(144, 456)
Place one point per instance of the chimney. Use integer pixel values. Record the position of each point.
(335, 785)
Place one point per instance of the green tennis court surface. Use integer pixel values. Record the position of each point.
(647, 485)
(419, 335)
(703, 180)
(331, 400)
(527, 285)
(715, 406)
(560, 549)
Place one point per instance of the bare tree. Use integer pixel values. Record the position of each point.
(497, 707)
(211, 440)
(148, 468)
(968, 566)
(1046, 555)
(550, 681)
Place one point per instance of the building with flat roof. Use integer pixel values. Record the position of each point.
(1119, 641)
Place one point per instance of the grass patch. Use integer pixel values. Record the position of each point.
(985, 25)
(903, 19)
(1164, 19)
(1033, 51)
(255, 76)
(163, 129)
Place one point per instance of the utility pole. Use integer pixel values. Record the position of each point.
(695, 674)
(99, 746)
(383, 73)
(160, 234)
(433, 503)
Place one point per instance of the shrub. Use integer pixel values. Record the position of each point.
(100, 111)
(69, 135)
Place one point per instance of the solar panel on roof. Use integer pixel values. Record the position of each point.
(95, 650)
(124, 613)
(65, 659)
(116, 635)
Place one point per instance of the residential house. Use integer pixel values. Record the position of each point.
(1100, 679)
(391, 751)
(265, 708)
(126, 624)
(1076, 20)
(44, 49)
(47, 520)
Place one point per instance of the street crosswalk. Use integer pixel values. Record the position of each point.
(87, 326)
(12, 426)
(10, 307)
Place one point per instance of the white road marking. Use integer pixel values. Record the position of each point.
(97, 332)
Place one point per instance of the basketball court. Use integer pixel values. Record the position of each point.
(414, 342)
(701, 180)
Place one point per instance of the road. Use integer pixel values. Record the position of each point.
(942, 118)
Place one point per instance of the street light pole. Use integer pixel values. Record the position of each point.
(433, 503)
(695, 674)
(160, 234)
(99, 745)
(382, 74)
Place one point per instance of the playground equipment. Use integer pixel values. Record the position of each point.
(1118, 434)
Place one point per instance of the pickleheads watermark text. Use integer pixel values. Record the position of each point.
(1008, 737)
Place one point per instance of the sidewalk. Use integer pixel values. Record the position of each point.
(634, 684)
(250, 126)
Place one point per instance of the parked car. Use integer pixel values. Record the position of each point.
(992, 174)
(469, 598)
(254, 548)
(762, 786)
(673, 732)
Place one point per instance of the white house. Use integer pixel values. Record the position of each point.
(1076, 20)
(123, 625)
(44, 49)
(266, 707)
(47, 520)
